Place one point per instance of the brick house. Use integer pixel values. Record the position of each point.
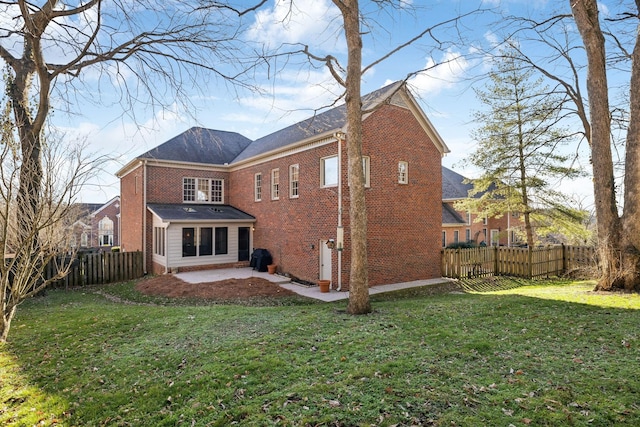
(459, 226)
(98, 226)
(207, 198)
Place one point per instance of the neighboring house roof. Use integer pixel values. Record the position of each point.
(200, 145)
(89, 208)
(116, 199)
(195, 213)
(450, 216)
(453, 185)
(215, 147)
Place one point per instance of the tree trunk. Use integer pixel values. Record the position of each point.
(359, 302)
(631, 214)
(585, 13)
(5, 322)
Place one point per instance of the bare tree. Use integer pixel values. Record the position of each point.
(350, 78)
(35, 245)
(618, 237)
(49, 46)
(612, 46)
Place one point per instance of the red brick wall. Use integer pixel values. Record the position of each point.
(404, 220)
(477, 226)
(110, 211)
(164, 185)
(131, 210)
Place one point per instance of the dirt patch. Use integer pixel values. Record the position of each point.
(170, 286)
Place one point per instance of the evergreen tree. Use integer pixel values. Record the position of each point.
(520, 140)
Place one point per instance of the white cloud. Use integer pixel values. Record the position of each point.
(312, 22)
(441, 74)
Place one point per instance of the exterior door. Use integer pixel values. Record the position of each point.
(244, 240)
(325, 261)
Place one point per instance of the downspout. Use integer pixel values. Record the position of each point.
(144, 216)
(165, 232)
(340, 231)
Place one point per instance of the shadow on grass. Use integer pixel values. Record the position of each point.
(492, 283)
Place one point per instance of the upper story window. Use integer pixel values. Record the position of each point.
(275, 184)
(294, 175)
(202, 190)
(484, 220)
(257, 187)
(329, 171)
(403, 172)
(366, 168)
(105, 232)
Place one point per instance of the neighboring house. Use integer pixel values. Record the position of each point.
(208, 198)
(459, 226)
(98, 226)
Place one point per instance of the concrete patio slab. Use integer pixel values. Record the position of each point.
(285, 282)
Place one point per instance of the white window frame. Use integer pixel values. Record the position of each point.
(294, 181)
(105, 231)
(444, 239)
(323, 168)
(203, 190)
(257, 187)
(403, 172)
(275, 184)
(494, 232)
(456, 236)
(366, 168)
(159, 243)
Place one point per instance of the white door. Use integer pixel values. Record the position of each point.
(325, 261)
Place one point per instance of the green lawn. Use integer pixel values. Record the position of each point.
(539, 353)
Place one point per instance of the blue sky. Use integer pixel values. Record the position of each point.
(294, 91)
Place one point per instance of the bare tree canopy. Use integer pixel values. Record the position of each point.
(148, 51)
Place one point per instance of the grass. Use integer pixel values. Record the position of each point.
(540, 353)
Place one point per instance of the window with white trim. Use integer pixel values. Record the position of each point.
(467, 235)
(257, 187)
(275, 184)
(403, 172)
(158, 241)
(105, 232)
(294, 175)
(456, 236)
(444, 239)
(203, 190)
(366, 168)
(329, 171)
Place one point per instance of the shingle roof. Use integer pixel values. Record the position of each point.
(222, 213)
(453, 186)
(200, 145)
(450, 216)
(331, 120)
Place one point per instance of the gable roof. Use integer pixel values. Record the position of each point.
(115, 199)
(196, 213)
(200, 145)
(450, 216)
(453, 185)
(328, 122)
(215, 147)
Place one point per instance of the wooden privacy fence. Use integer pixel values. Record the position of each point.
(518, 262)
(100, 268)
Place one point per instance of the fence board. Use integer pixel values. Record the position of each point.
(519, 262)
(101, 268)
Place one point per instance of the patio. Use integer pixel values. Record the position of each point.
(204, 276)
